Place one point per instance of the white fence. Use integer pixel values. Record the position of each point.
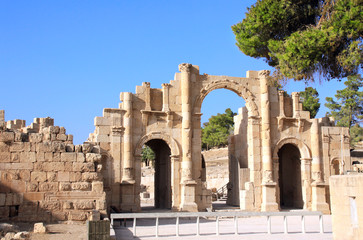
(217, 215)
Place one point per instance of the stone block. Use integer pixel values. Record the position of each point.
(87, 148)
(63, 176)
(4, 213)
(52, 176)
(102, 121)
(97, 187)
(24, 175)
(62, 130)
(58, 147)
(39, 166)
(4, 147)
(65, 186)
(40, 156)
(59, 216)
(5, 157)
(39, 228)
(78, 216)
(50, 205)
(27, 157)
(48, 187)
(61, 137)
(44, 147)
(68, 156)
(80, 157)
(84, 205)
(33, 196)
(7, 136)
(48, 156)
(81, 186)
(70, 138)
(83, 167)
(68, 166)
(68, 205)
(32, 186)
(56, 157)
(2, 199)
(91, 176)
(93, 157)
(75, 176)
(21, 137)
(35, 137)
(38, 176)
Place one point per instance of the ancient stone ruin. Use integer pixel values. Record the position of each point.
(278, 156)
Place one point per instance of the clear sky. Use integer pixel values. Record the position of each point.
(70, 59)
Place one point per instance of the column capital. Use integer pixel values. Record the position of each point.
(264, 73)
(165, 85)
(185, 67)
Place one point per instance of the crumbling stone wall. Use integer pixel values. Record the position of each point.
(44, 177)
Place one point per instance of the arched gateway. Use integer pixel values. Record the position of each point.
(168, 119)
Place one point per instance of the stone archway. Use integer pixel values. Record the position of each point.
(304, 152)
(166, 190)
(290, 177)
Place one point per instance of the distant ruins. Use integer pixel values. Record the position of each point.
(278, 156)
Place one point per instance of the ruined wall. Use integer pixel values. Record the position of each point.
(44, 177)
(216, 164)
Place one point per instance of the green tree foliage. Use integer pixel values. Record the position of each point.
(303, 37)
(310, 101)
(148, 155)
(216, 131)
(347, 109)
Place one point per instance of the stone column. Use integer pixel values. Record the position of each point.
(147, 96)
(282, 104)
(127, 176)
(295, 104)
(306, 181)
(268, 185)
(165, 97)
(185, 69)
(318, 199)
(188, 184)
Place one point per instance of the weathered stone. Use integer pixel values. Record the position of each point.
(68, 157)
(65, 186)
(68, 205)
(50, 205)
(80, 157)
(78, 216)
(97, 187)
(2, 199)
(83, 167)
(93, 157)
(63, 177)
(38, 176)
(61, 137)
(35, 137)
(75, 176)
(39, 228)
(5, 157)
(69, 148)
(58, 147)
(7, 137)
(91, 176)
(48, 187)
(81, 186)
(27, 157)
(78, 148)
(84, 205)
(32, 187)
(86, 148)
(52, 176)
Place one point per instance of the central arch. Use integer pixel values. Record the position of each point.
(232, 85)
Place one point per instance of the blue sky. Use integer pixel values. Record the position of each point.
(70, 59)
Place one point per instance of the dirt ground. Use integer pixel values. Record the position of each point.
(60, 231)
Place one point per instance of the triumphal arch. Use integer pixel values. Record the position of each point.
(279, 157)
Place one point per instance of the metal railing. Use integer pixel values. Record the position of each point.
(217, 215)
(222, 191)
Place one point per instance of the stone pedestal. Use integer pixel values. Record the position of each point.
(318, 198)
(269, 203)
(188, 197)
(130, 201)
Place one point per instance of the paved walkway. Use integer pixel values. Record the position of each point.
(248, 228)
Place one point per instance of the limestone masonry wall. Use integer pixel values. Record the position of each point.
(44, 177)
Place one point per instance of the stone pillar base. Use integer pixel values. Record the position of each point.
(188, 203)
(318, 198)
(269, 203)
(129, 201)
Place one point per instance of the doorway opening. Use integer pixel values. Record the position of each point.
(290, 177)
(156, 177)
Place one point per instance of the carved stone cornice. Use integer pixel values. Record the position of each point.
(118, 131)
